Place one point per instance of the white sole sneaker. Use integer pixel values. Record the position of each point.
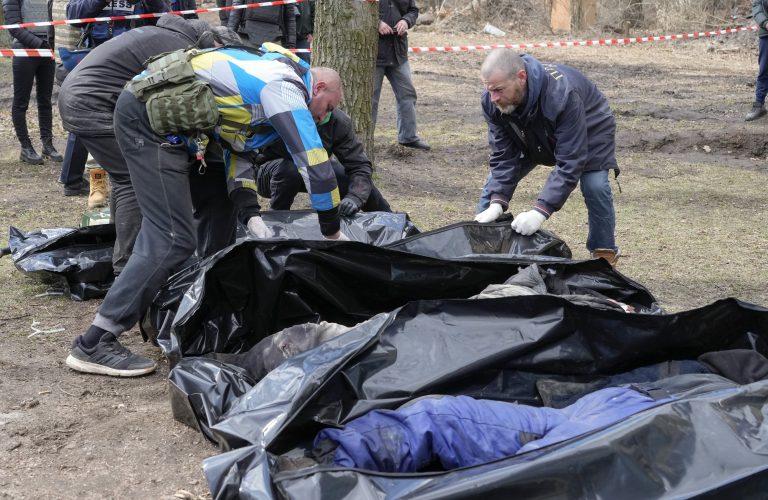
(87, 367)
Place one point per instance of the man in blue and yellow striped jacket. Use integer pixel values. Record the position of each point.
(261, 97)
(266, 98)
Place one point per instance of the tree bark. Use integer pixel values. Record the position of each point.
(346, 39)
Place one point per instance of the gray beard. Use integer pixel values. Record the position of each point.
(507, 110)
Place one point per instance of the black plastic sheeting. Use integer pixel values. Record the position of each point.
(483, 241)
(77, 260)
(256, 288)
(373, 228)
(80, 260)
(710, 440)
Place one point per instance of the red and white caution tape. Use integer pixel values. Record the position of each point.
(145, 16)
(26, 53)
(49, 52)
(464, 48)
(619, 41)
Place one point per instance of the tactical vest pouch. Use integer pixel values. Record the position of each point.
(185, 107)
(176, 101)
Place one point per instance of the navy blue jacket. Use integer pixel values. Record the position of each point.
(103, 31)
(393, 49)
(564, 122)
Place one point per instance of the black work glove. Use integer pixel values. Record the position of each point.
(44, 44)
(348, 208)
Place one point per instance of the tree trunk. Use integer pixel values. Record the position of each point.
(560, 16)
(346, 39)
(5, 38)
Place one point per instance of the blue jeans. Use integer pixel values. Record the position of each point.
(761, 85)
(399, 77)
(598, 198)
(73, 166)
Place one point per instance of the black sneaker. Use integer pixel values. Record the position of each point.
(108, 357)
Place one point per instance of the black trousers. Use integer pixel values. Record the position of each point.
(160, 174)
(26, 72)
(124, 209)
(215, 217)
(285, 182)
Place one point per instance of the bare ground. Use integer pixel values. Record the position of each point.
(692, 224)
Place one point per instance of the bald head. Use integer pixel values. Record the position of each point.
(327, 92)
(505, 62)
(327, 75)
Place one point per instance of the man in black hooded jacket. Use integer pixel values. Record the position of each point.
(278, 178)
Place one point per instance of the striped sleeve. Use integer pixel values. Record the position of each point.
(286, 109)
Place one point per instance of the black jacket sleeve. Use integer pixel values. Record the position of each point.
(411, 13)
(12, 10)
(349, 151)
(289, 25)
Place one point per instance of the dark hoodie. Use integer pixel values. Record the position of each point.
(564, 122)
(88, 95)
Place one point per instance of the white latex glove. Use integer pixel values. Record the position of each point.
(490, 214)
(258, 229)
(339, 236)
(528, 222)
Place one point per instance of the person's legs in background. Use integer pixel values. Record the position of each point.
(97, 182)
(761, 83)
(601, 240)
(24, 69)
(124, 209)
(73, 167)
(378, 80)
(44, 77)
(399, 77)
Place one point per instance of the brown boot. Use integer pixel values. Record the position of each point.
(98, 196)
(607, 254)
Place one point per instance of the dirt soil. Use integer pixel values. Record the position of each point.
(692, 225)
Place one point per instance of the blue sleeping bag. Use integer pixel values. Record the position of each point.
(461, 431)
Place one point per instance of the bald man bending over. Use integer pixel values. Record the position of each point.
(261, 97)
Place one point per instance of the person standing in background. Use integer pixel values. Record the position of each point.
(760, 16)
(224, 14)
(32, 70)
(75, 154)
(396, 17)
(305, 26)
(93, 35)
(276, 24)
